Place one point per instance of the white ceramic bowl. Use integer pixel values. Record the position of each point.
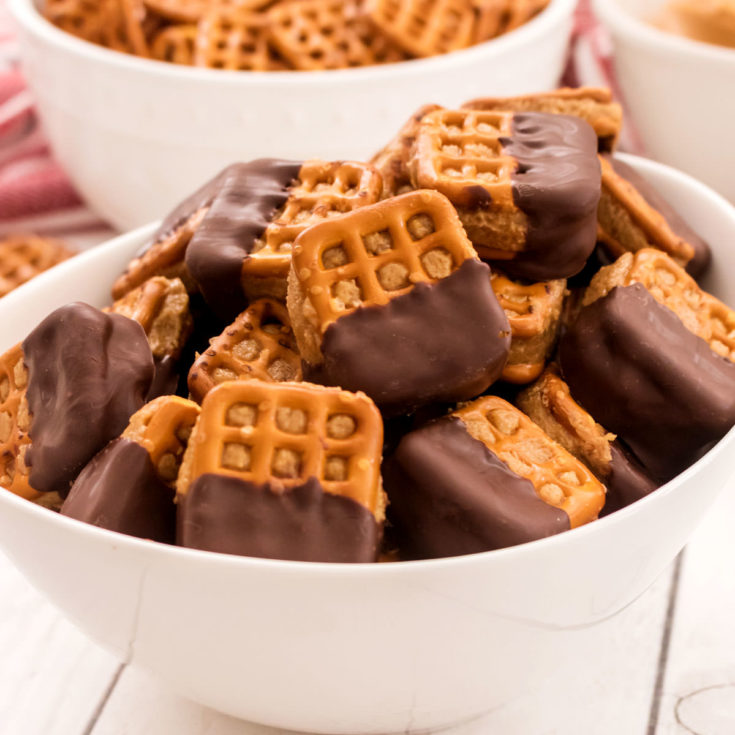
(679, 93)
(137, 135)
(356, 648)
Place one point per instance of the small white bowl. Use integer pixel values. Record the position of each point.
(137, 135)
(370, 648)
(679, 93)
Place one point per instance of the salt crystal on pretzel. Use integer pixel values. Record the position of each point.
(483, 478)
(534, 314)
(392, 299)
(501, 171)
(128, 487)
(283, 470)
(595, 105)
(259, 344)
(549, 403)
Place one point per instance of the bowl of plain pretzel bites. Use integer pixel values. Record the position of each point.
(377, 446)
(164, 127)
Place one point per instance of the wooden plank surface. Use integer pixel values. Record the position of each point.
(698, 688)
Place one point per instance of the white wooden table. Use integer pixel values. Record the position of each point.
(664, 666)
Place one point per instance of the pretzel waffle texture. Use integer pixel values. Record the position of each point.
(165, 257)
(24, 256)
(175, 44)
(15, 424)
(392, 161)
(423, 27)
(259, 344)
(534, 314)
(234, 38)
(163, 427)
(161, 307)
(549, 403)
(323, 190)
(627, 222)
(327, 34)
(701, 313)
(368, 257)
(593, 104)
(558, 477)
(285, 433)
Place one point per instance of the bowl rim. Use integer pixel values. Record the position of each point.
(27, 15)
(497, 556)
(624, 23)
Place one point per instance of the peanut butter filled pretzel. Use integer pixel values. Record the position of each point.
(534, 314)
(129, 486)
(548, 402)
(483, 478)
(284, 471)
(391, 299)
(632, 215)
(595, 105)
(259, 344)
(501, 172)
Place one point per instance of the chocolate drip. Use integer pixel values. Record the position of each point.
(246, 198)
(446, 341)
(304, 523)
(702, 255)
(88, 372)
(627, 481)
(119, 490)
(644, 376)
(450, 495)
(557, 186)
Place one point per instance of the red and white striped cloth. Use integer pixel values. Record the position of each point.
(36, 195)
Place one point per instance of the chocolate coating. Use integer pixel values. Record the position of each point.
(627, 481)
(557, 186)
(246, 198)
(88, 372)
(119, 490)
(702, 255)
(446, 341)
(165, 377)
(450, 495)
(644, 376)
(304, 523)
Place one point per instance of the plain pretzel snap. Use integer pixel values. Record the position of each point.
(283, 434)
(164, 257)
(161, 306)
(163, 427)
(327, 34)
(668, 283)
(423, 27)
(377, 253)
(534, 314)
(23, 257)
(323, 190)
(175, 44)
(593, 104)
(82, 18)
(259, 344)
(233, 37)
(14, 424)
(626, 221)
(558, 478)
